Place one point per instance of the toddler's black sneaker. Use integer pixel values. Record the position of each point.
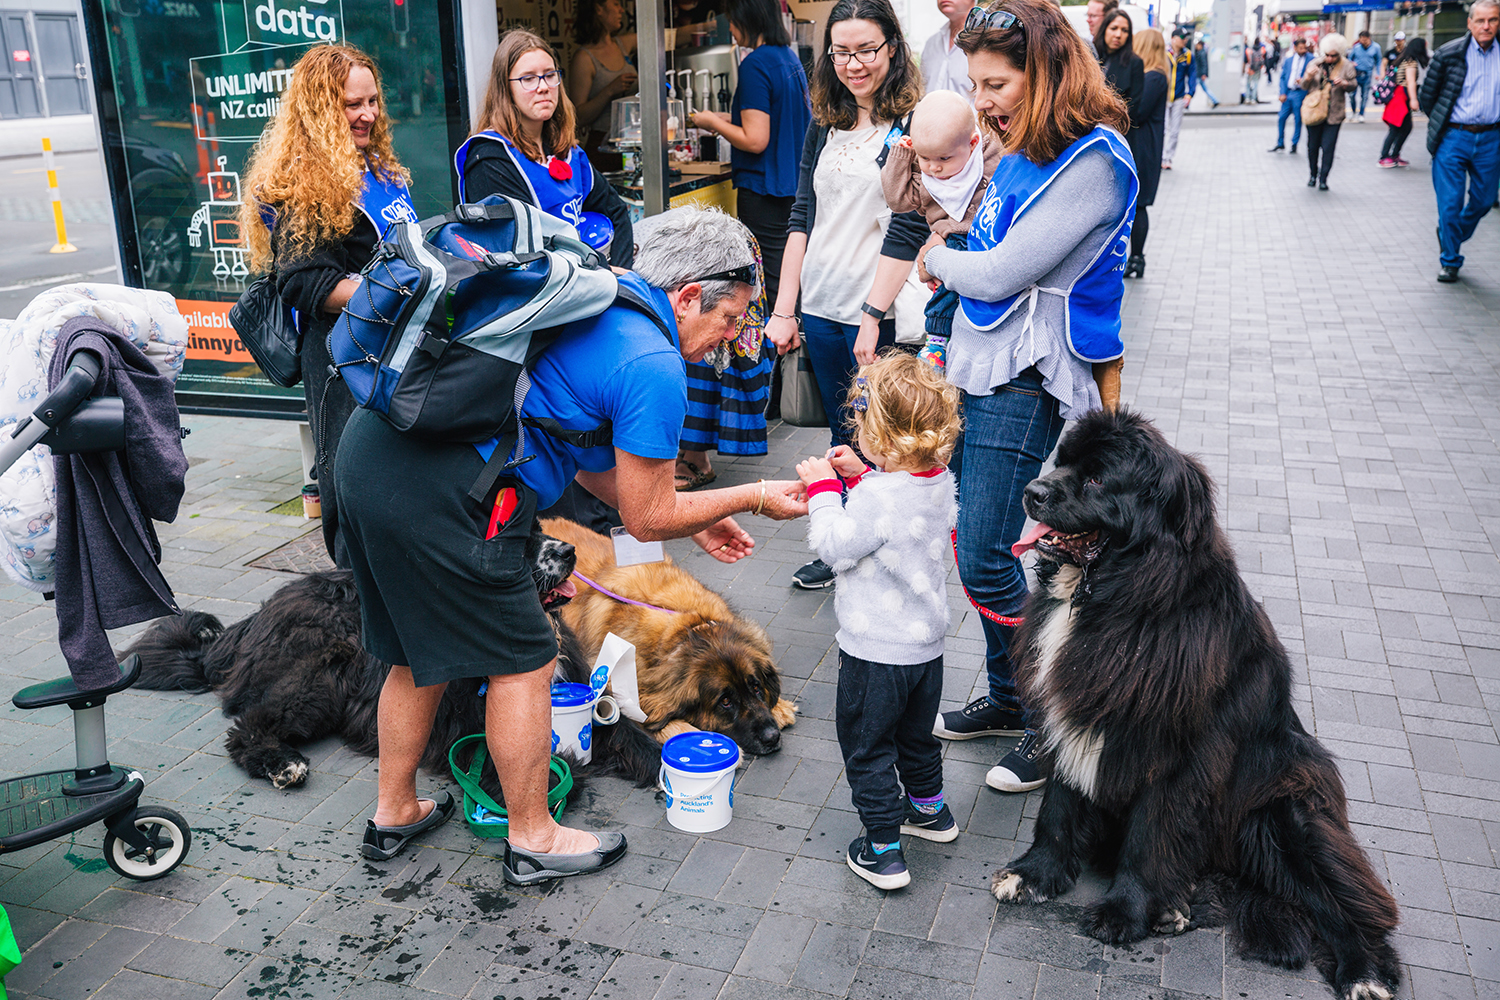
(940, 826)
(886, 870)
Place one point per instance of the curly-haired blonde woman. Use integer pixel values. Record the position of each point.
(323, 184)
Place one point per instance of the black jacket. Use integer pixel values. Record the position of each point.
(1125, 72)
(490, 170)
(1442, 85)
(903, 237)
(1147, 136)
(107, 550)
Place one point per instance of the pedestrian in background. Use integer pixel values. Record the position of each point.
(1179, 94)
(1393, 54)
(1200, 73)
(944, 65)
(1123, 70)
(1462, 98)
(1145, 140)
(1292, 94)
(1255, 65)
(323, 183)
(1334, 75)
(1403, 103)
(1366, 57)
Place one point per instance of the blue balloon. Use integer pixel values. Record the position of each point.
(596, 230)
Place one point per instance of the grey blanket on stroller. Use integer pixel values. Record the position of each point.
(107, 550)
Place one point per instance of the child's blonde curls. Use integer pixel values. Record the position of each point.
(909, 411)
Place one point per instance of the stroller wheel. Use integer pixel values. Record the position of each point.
(170, 838)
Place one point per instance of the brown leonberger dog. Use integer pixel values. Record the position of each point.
(698, 664)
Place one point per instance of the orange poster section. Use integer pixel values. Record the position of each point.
(210, 337)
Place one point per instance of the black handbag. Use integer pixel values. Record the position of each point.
(268, 330)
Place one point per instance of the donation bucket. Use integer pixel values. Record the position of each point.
(697, 773)
(575, 709)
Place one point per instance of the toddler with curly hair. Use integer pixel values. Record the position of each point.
(886, 532)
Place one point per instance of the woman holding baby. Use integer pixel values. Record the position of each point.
(1039, 308)
(841, 231)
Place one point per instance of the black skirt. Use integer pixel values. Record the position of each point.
(434, 594)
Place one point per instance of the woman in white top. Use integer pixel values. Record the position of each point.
(846, 255)
(601, 70)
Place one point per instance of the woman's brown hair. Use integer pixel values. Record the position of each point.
(832, 104)
(305, 166)
(1152, 48)
(498, 113)
(1065, 96)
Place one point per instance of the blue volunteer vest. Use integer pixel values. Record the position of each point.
(561, 199)
(385, 202)
(1093, 302)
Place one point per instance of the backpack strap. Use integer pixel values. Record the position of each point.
(513, 441)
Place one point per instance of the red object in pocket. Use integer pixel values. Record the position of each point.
(505, 506)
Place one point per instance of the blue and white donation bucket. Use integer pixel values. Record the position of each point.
(697, 773)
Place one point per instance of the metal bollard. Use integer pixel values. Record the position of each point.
(63, 246)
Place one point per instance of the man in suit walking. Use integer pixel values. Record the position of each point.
(1461, 95)
(1293, 69)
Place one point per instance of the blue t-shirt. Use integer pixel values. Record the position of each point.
(616, 367)
(772, 80)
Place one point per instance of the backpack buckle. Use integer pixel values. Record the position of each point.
(432, 344)
(469, 213)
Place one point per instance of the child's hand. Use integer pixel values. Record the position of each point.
(814, 469)
(904, 142)
(844, 461)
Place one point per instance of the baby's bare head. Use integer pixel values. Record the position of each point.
(943, 133)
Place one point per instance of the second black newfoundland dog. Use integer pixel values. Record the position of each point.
(1164, 696)
(294, 672)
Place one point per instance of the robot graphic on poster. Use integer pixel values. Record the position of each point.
(220, 216)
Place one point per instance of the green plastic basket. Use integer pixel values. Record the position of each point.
(486, 817)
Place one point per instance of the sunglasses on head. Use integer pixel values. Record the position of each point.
(980, 19)
(744, 274)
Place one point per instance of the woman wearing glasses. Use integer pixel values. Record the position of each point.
(1039, 301)
(846, 255)
(523, 147)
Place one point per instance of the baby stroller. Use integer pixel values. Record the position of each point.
(142, 843)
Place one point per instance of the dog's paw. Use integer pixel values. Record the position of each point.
(1368, 989)
(1112, 922)
(290, 776)
(1173, 921)
(675, 728)
(1009, 887)
(784, 712)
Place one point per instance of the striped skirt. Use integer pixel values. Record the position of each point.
(727, 413)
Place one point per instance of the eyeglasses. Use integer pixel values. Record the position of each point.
(745, 275)
(531, 81)
(862, 56)
(980, 19)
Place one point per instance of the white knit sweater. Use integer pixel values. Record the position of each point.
(888, 543)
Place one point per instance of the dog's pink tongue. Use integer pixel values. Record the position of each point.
(1029, 540)
(567, 588)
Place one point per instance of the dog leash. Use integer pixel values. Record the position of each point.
(998, 619)
(620, 598)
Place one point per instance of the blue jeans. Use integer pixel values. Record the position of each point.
(830, 347)
(1290, 108)
(1007, 437)
(1203, 86)
(1360, 95)
(1460, 157)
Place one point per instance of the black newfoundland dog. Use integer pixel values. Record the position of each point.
(1179, 763)
(294, 672)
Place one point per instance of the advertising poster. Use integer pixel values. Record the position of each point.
(187, 88)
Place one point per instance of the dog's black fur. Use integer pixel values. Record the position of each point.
(1179, 763)
(294, 672)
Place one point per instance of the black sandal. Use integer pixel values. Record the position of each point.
(385, 842)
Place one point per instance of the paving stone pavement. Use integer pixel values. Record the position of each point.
(1295, 340)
